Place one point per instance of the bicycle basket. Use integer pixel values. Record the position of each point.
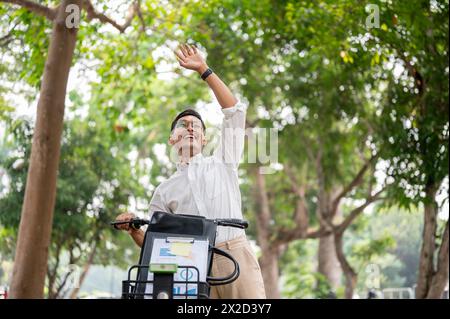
(162, 226)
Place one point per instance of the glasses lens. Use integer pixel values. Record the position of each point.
(196, 126)
(181, 124)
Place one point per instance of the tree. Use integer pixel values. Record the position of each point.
(39, 197)
(93, 184)
(399, 265)
(31, 256)
(413, 126)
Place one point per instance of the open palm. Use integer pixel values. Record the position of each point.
(189, 57)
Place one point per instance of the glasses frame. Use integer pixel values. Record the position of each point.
(196, 125)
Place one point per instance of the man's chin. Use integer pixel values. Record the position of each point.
(189, 149)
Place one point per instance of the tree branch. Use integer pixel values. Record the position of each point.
(4, 40)
(37, 8)
(323, 212)
(62, 284)
(357, 211)
(300, 215)
(139, 14)
(318, 233)
(301, 211)
(93, 14)
(355, 182)
(293, 181)
(286, 236)
(86, 267)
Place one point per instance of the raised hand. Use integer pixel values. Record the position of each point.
(190, 58)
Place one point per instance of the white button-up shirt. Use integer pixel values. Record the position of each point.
(208, 186)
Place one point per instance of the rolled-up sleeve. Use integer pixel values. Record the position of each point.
(231, 145)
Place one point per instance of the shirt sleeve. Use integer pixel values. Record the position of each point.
(231, 143)
(157, 203)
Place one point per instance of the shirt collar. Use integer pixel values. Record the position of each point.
(182, 166)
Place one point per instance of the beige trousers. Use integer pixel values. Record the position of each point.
(250, 283)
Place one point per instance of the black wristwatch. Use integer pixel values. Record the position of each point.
(207, 73)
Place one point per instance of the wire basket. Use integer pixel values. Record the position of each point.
(189, 288)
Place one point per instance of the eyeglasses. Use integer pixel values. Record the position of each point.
(196, 125)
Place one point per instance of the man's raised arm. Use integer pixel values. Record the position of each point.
(190, 58)
(231, 146)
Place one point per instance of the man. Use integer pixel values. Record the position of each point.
(208, 186)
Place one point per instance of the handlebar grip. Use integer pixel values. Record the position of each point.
(233, 222)
(116, 223)
(135, 223)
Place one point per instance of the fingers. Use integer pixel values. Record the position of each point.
(125, 217)
(188, 49)
(180, 61)
(183, 51)
(122, 227)
(179, 55)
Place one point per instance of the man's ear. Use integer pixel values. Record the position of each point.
(171, 139)
(204, 140)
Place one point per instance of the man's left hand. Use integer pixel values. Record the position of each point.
(190, 58)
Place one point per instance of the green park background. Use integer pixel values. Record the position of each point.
(357, 91)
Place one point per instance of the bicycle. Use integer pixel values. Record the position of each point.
(169, 237)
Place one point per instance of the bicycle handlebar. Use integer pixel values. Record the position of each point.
(136, 223)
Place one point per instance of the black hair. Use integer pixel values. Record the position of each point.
(185, 113)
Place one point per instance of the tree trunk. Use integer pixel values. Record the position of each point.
(269, 258)
(30, 263)
(428, 244)
(328, 262)
(270, 273)
(440, 277)
(350, 275)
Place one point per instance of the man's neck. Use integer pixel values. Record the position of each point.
(186, 158)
